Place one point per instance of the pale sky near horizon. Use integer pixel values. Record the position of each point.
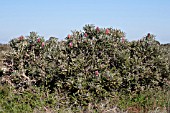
(58, 17)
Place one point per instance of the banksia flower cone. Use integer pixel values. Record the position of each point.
(98, 29)
(123, 40)
(21, 37)
(69, 36)
(38, 40)
(43, 44)
(71, 44)
(96, 73)
(85, 34)
(107, 31)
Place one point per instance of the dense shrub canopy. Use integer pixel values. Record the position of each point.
(95, 62)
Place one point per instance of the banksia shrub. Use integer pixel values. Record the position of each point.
(24, 61)
(89, 65)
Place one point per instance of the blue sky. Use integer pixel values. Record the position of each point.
(58, 17)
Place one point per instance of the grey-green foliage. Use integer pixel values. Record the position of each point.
(96, 62)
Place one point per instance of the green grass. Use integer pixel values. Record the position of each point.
(24, 102)
(34, 100)
(146, 101)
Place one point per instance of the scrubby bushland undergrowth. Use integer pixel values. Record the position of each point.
(94, 69)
